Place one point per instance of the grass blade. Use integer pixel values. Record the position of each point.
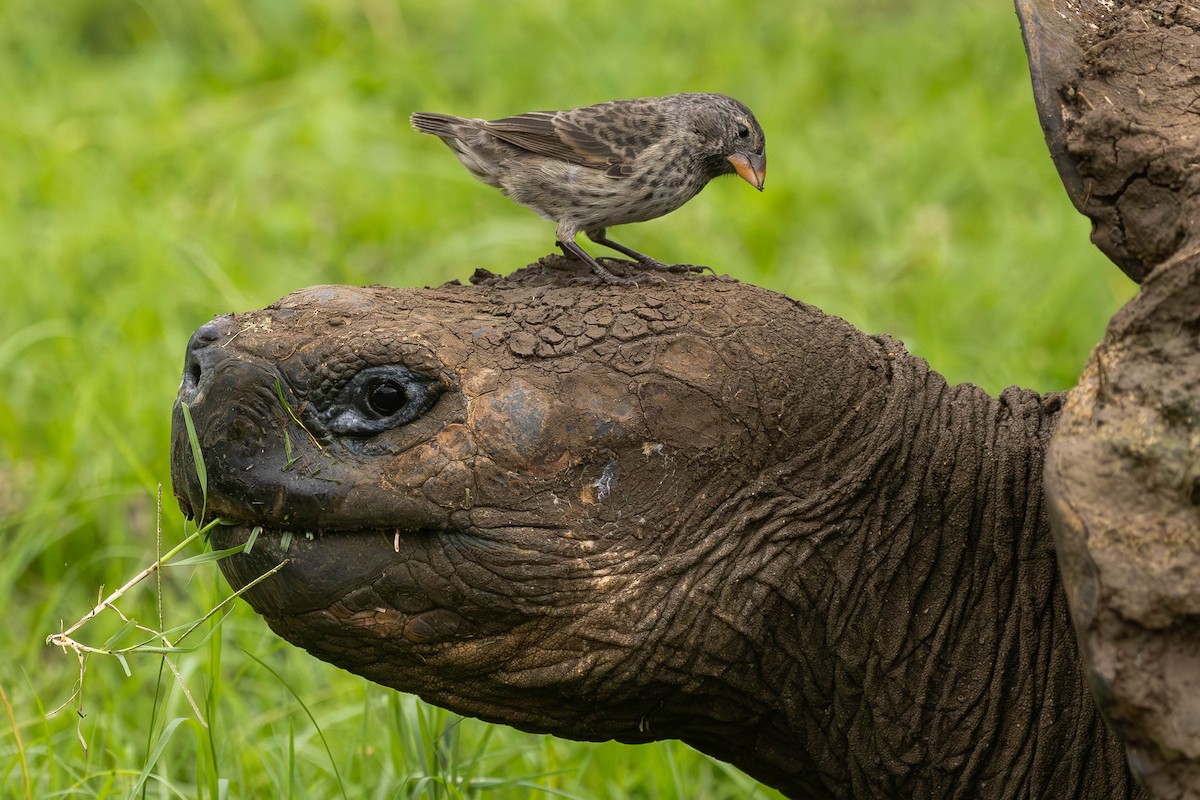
(197, 456)
(209, 557)
(332, 761)
(163, 739)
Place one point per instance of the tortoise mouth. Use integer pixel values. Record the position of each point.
(316, 570)
(365, 583)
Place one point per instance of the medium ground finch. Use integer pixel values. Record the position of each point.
(608, 164)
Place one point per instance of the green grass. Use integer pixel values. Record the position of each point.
(167, 161)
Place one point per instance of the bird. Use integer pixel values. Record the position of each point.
(608, 164)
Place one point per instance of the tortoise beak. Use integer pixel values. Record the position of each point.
(752, 167)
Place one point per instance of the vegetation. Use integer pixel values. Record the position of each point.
(168, 161)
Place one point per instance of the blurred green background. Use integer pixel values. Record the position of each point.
(164, 162)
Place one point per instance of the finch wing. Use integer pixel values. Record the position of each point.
(607, 136)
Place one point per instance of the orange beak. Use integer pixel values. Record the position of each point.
(752, 168)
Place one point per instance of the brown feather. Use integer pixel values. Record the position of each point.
(537, 133)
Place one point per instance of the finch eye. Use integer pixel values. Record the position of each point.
(743, 132)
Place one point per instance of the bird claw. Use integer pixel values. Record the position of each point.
(606, 275)
(680, 268)
(658, 279)
(613, 279)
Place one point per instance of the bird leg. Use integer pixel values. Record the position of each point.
(601, 237)
(643, 259)
(569, 247)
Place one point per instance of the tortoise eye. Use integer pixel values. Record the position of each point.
(378, 399)
(385, 398)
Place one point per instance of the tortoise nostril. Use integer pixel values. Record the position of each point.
(204, 336)
(191, 369)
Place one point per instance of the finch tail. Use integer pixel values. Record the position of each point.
(436, 124)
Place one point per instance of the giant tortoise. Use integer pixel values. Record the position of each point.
(701, 510)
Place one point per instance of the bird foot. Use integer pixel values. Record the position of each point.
(651, 263)
(602, 272)
(620, 280)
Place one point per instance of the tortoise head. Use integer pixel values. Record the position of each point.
(524, 501)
